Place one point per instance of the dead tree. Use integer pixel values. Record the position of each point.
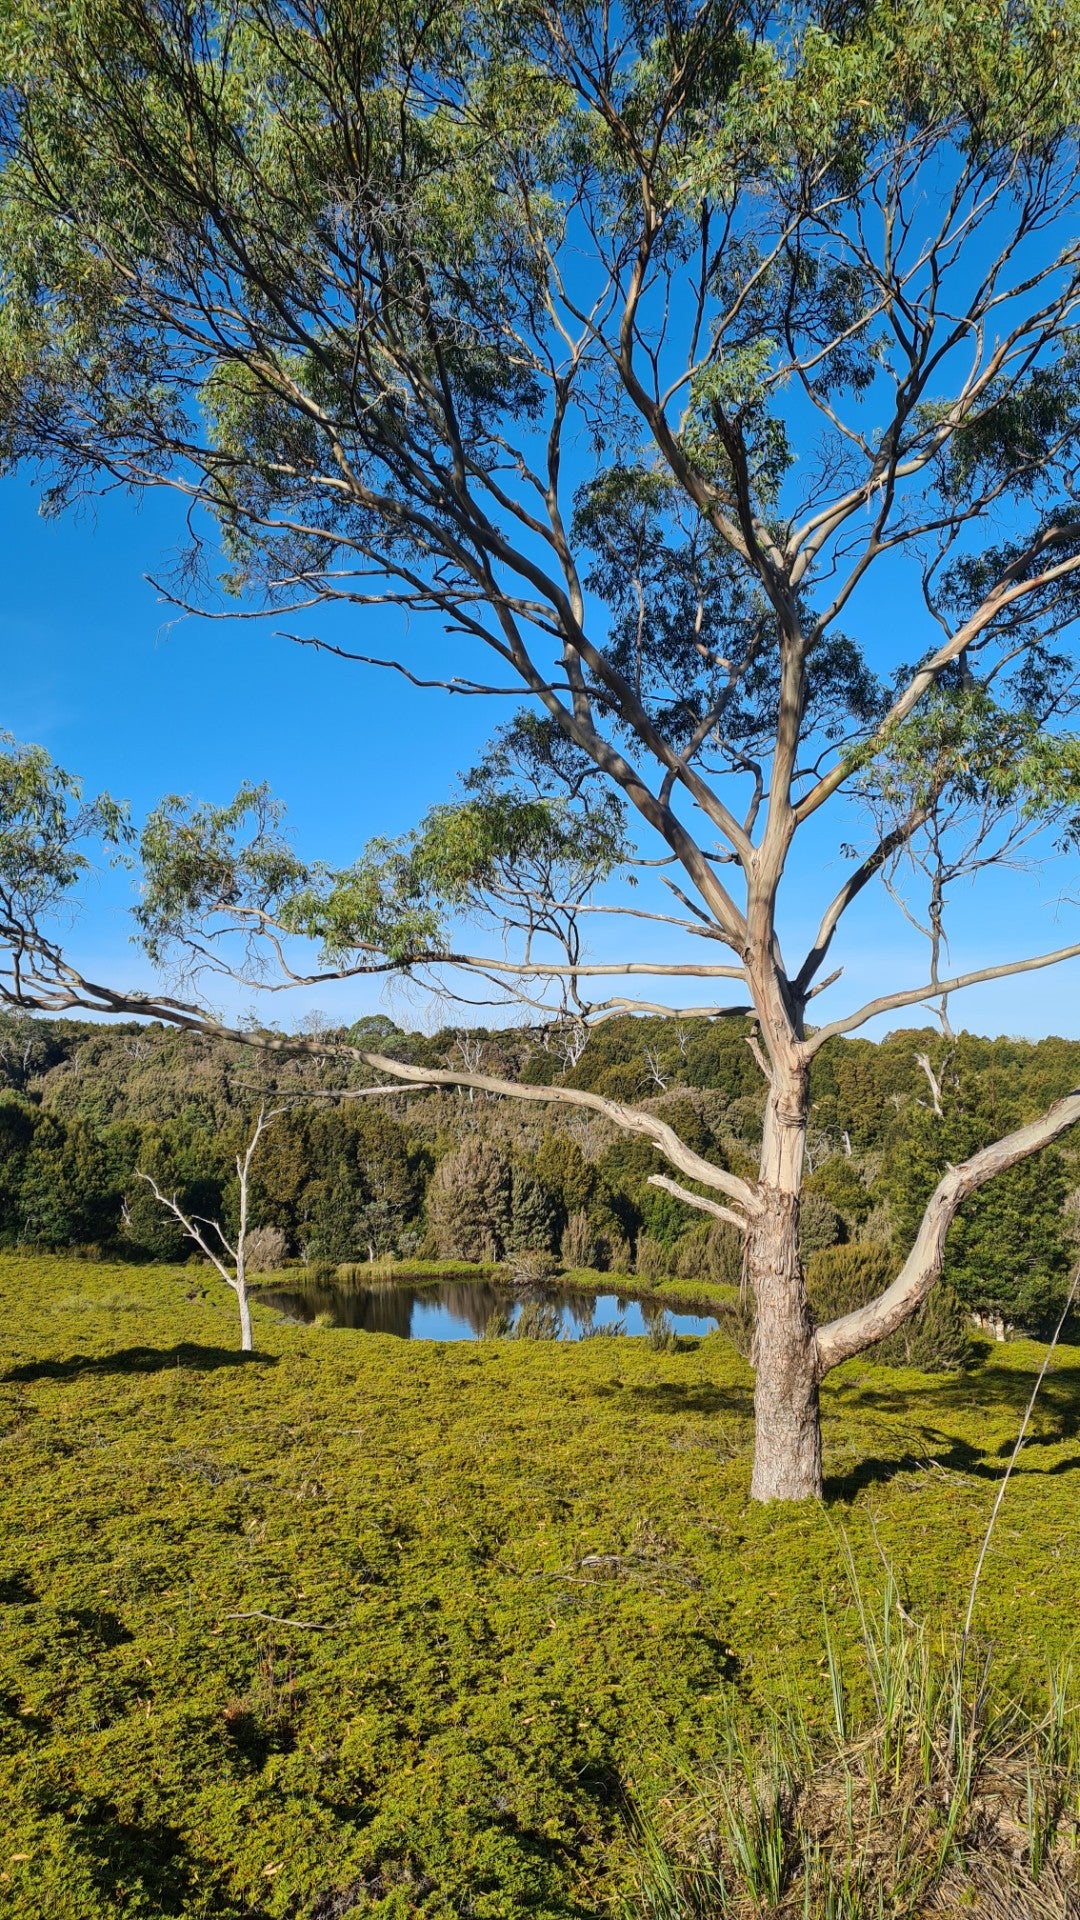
(231, 1261)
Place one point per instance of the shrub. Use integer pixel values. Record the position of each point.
(653, 1261)
(691, 1258)
(617, 1254)
(266, 1250)
(724, 1254)
(578, 1245)
(532, 1214)
(468, 1203)
(935, 1338)
(662, 1335)
(839, 1279)
(819, 1224)
(532, 1266)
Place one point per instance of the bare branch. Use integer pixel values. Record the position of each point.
(888, 1002)
(698, 1200)
(849, 1335)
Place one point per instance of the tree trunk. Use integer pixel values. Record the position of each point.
(787, 1428)
(245, 1318)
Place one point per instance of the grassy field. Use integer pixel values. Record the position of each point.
(363, 1625)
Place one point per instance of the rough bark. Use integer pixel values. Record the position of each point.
(787, 1436)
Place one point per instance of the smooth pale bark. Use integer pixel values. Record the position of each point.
(236, 1256)
(245, 1318)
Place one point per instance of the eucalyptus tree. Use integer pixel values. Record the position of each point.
(708, 371)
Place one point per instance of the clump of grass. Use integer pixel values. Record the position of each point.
(532, 1267)
(110, 1300)
(939, 1793)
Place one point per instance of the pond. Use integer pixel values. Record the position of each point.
(462, 1309)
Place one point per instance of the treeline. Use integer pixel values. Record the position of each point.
(84, 1108)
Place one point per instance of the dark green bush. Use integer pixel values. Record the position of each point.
(936, 1338)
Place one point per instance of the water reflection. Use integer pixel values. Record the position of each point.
(461, 1309)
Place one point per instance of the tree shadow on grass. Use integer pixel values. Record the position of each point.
(669, 1396)
(136, 1360)
(951, 1456)
(991, 1390)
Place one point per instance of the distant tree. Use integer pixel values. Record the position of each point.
(150, 1229)
(533, 1214)
(578, 1243)
(66, 1196)
(634, 346)
(564, 1171)
(468, 1203)
(231, 1260)
(1007, 1256)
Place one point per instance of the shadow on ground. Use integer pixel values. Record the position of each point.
(671, 1396)
(950, 1456)
(138, 1360)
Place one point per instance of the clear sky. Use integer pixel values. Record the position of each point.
(141, 702)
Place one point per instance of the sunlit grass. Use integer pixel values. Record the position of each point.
(408, 1627)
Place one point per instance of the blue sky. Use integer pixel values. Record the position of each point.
(142, 702)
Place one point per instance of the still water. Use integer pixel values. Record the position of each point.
(461, 1309)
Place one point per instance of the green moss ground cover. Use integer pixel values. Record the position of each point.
(511, 1587)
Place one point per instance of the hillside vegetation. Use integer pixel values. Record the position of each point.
(82, 1106)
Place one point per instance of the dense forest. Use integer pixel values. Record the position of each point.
(84, 1107)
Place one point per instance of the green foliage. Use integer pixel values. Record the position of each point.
(468, 1203)
(85, 1106)
(838, 1182)
(834, 1819)
(502, 1549)
(45, 827)
(538, 1320)
(1008, 1251)
(533, 1213)
(149, 1230)
(935, 1338)
(819, 1224)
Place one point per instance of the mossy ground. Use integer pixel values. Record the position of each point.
(529, 1576)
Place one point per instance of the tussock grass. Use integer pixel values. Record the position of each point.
(941, 1793)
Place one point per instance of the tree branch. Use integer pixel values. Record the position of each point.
(933, 989)
(698, 1200)
(842, 1338)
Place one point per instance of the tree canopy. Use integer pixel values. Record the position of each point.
(659, 354)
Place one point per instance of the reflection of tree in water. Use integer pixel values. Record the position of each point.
(366, 1309)
(388, 1308)
(391, 1307)
(473, 1301)
(580, 1308)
